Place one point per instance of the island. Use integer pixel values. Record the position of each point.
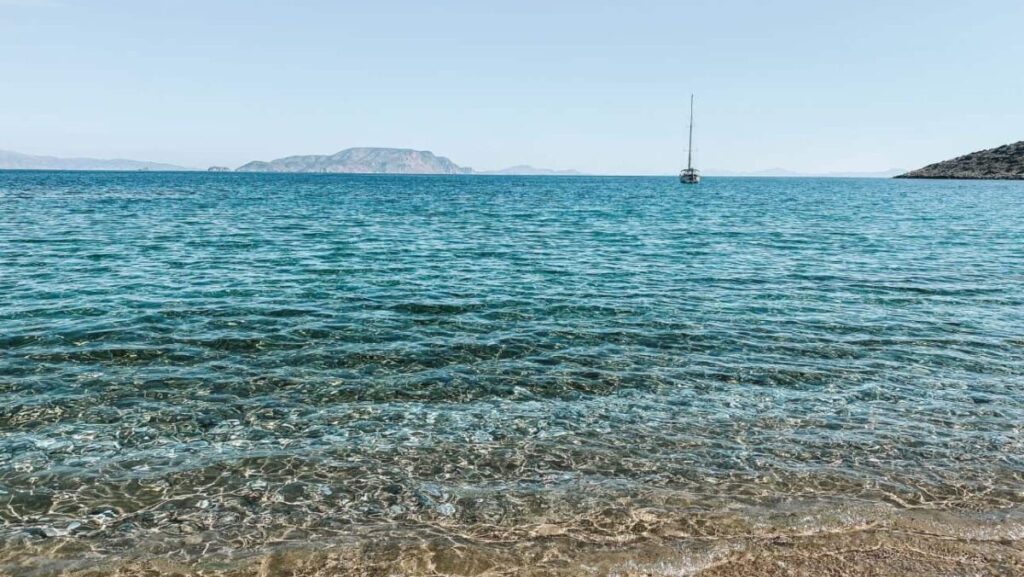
(386, 161)
(1002, 163)
(362, 161)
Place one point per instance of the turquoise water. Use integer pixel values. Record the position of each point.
(209, 369)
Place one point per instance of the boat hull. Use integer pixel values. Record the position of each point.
(689, 176)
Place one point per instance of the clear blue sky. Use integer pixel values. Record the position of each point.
(592, 85)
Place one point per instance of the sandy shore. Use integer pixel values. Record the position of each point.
(868, 553)
(907, 543)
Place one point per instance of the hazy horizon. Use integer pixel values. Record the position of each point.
(600, 88)
(48, 162)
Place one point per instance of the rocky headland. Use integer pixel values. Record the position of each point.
(1001, 163)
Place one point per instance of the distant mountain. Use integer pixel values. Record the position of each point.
(784, 173)
(779, 172)
(17, 161)
(883, 174)
(1002, 163)
(527, 170)
(363, 160)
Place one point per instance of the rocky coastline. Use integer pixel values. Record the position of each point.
(1001, 163)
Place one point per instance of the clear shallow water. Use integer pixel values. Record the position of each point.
(471, 374)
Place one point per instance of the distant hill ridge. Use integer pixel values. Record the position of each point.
(786, 173)
(366, 160)
(17, 161)
(362, 160)
(527, 170)
(1001, 163)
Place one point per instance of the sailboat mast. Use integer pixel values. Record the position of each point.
(689, 151)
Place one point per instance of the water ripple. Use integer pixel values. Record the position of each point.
(198, 367)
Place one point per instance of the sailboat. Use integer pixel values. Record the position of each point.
(690, 175)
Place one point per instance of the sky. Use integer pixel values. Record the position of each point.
(601, 87)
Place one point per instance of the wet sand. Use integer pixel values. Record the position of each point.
(875, 542)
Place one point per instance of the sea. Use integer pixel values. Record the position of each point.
(288, 375)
